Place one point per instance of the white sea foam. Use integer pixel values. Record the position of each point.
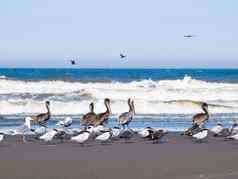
(2, 77)
(180, 96)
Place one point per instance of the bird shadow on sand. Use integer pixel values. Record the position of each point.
(200, 142)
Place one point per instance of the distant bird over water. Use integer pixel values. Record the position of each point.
(122, 55)
(73, 62)
(189, 36)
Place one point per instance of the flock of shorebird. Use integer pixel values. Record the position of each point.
(93, 126)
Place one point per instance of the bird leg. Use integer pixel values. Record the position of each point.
(24, 139)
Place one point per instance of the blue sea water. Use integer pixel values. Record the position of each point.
(123, 75)
(166, 98)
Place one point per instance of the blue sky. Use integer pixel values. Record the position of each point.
(47, 33)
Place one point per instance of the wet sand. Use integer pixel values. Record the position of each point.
(177, 157)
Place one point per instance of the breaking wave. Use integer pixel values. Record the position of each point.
(182, 96)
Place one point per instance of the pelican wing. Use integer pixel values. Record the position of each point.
(125, 117)
(88, 118)
(200, 118)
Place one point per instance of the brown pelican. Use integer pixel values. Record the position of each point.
(101, 118)
(126, 117)
(43, 118)
(96, 119)
(89, 117)
(198, 120)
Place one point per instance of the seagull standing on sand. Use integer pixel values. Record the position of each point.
(116, 132)
(48, 136)
(234, 128)
(234, 137)
(105, 136)
(201, 135)
(39, 131)
(1, 136)
(83, 136)
(146, 133)
(23, 129)
(157, 135)
(99, 129)
(217, 129)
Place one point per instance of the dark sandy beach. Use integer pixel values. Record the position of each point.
(177, 157)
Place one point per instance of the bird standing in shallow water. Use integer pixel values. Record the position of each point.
(88, 118)
(98, 119)
(125, 118)
(42, 119)
(200, 118)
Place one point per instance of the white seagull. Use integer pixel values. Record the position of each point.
(66, 122)
(1, 137)
(201, 135)
(48, 136)
(147, 132)
(116, 131)
(23, 129)
(83, 136)
(98, 129)
(234, 128)
(39, 131)
(105, 136)
(217, 129)
(235, 137)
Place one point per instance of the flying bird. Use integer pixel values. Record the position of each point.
(73, 62)
(189, 36)
(122, 56)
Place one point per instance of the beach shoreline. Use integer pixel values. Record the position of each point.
(176, 157)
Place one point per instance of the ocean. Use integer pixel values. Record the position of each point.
(164, 98)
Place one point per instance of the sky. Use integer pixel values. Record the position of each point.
(48, 33)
